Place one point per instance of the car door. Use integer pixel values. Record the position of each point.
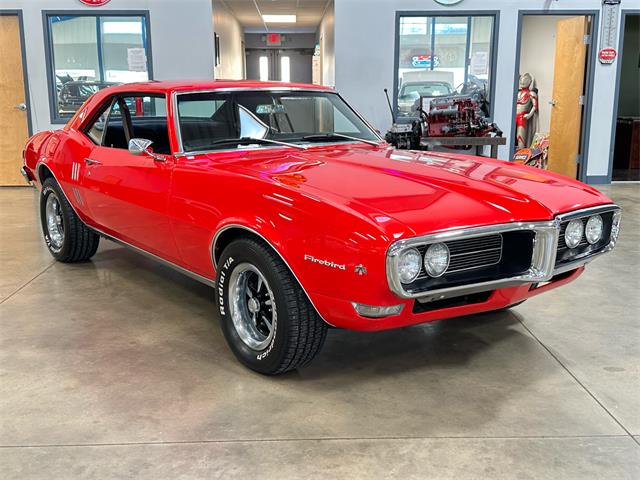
(128, 194)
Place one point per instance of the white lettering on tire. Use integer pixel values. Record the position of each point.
(223, 276)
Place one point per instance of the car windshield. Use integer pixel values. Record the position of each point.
(212, 120)
(433, 89)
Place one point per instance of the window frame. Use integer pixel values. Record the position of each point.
(495, 33)
(235, 91)
(54, 117)
(107, 106)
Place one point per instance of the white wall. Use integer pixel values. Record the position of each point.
(227, 26)
(537, 56)
(365, 39)
(326, 39)
(181, 42)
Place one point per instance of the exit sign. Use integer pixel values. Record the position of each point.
(274, 39)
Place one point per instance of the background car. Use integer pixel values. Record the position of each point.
(74, 93)
(410, 93)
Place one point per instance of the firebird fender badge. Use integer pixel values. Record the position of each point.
(326, 263)
(360, 269)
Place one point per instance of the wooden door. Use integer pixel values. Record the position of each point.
(568, 88)
(14, 131)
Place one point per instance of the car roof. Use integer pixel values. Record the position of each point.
(168, 86)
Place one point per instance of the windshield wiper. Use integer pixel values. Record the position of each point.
(250, 141)
(320, 137)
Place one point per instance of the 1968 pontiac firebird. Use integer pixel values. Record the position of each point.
(301, 217)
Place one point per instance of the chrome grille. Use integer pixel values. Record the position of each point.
(470, 253)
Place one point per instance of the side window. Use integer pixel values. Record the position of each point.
(143, 116)
(115, 136)
(96, 130)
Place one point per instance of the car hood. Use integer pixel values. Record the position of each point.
(426, 191)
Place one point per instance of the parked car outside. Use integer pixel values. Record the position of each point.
(73, 94)
(411, 92)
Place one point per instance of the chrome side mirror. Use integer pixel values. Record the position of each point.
(140, 146)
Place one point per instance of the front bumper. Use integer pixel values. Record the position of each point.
(340, 313)
(543, 264)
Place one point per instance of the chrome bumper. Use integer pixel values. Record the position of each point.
(543, 259)
(25, 174)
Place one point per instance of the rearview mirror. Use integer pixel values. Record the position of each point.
(140, 146)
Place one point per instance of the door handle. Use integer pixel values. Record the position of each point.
(91, 161)
(21, 106)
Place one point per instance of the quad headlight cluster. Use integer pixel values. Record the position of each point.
(576, 230)
(435, 261)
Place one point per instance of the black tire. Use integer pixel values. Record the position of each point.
(298, 333)
(78, 242)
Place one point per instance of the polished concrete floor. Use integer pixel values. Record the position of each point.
(117, 368)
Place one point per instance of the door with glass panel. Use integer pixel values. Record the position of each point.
(129, 193)
(287, 65)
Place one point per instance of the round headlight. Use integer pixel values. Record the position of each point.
(436, 259)
(573, 233)
(593, 230)
(409, 264)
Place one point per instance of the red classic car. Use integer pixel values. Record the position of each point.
(290, 204)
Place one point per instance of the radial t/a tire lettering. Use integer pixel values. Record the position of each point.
(266, 317)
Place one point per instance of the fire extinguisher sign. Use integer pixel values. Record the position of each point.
(609, 35)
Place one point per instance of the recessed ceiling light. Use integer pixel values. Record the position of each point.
(279, 18)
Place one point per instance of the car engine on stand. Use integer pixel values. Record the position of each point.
(459, 115)
(456, 115)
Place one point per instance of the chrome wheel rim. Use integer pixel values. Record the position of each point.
(252, 306)
(55, 225)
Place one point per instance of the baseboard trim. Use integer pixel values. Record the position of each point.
(598, 179)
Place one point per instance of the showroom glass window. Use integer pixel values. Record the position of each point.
(441, 55)
(90, 52)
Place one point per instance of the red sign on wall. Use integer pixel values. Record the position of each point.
(607, 55)
(95, 3)
(274, 39)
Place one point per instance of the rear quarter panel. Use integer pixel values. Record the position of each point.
(56, 151)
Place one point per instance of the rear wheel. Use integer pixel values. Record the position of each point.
(67, 237)
(267, 319)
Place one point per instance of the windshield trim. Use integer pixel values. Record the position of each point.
(244, 148)
(176, 116)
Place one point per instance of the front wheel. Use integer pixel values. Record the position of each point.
(67, 237)
(267, 319)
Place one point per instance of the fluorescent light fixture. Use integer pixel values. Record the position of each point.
(279, 18)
